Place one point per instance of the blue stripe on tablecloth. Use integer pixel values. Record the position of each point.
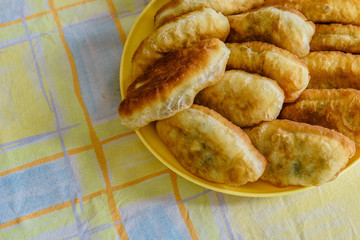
(32, 139)
(222, 205)
(34, 189)
(10, 10)
(41, 80)
(97, 48)
(83, 228)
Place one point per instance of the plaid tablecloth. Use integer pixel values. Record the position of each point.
(69, 170)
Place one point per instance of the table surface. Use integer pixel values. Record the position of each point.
(70, 170)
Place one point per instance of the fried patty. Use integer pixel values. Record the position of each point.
(289, 71)
(283, 27)
(245, 99)
(299, 153)
(336, 37)
(336, 109)
(172, 83)
(176, 8)
(333, 69)
(179, 33)
(211, 147)
(324, 11)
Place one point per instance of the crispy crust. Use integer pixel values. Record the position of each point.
(290, 72)
(324, 11)
(172, 83)
(169, 5)
(233, 127)
(198, 132)
(299, 153)
(261, 47)
(228, 124)
(332, 108)
(283, 8)
(319, 130)
(327, 94)
(176, 8)
(336, 37)
(333, 69)
(179, 33)
(281, 26)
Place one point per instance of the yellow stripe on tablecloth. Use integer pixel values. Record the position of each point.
(135, 161)
(56, 156)
(8, 24)
(36, 214)
(108, 140)
(73, 4)
(182, 208)
(39, 14)
(84, 198)
(97, 146)
(119, 28)
(50, 210)
(45, 160)
(24, 112)
(139, 180)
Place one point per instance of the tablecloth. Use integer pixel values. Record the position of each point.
(70, 170)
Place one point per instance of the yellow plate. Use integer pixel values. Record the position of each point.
(142, 28)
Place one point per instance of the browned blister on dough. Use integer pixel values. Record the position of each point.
(173, 82)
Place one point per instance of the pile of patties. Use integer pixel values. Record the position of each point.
(242, 90)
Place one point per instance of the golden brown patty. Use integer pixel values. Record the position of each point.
(283, 27)
(172, 83)
(243, 98)
(330, 69)
(337, 109)
(211, 147)
(179, 33)
(336, 37)
(324, 11)
(176, 8)
(285, 68)
(299, 153)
